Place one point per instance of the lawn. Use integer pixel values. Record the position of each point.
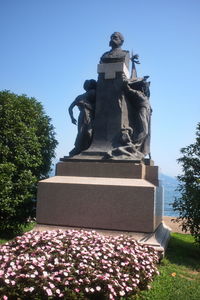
(179, 272)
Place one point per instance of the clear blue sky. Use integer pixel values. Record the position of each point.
(49, 47)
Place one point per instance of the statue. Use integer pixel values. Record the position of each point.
(116, 54)
(137, 141)
(118, 126)
(86, 105)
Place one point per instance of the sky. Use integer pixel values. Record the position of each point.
(48, 48)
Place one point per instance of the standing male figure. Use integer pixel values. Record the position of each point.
(86, 104)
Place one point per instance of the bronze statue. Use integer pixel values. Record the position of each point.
(86, 105)
(114, 120)
(116, 54)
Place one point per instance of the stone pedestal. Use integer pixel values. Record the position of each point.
(112, 196)
(95, 202)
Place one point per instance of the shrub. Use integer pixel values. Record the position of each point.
(27, 143)
(188, 205)
(74, 265)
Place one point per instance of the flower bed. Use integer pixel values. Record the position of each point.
(74, 265)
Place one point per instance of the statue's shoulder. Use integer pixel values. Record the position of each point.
(117, 55)
(91, 94)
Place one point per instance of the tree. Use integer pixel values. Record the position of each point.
(27, 147)
(188, 205)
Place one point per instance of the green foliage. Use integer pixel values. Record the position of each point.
(8, 236)
(188, 205)
(27, 145)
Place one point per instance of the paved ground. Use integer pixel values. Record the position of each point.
(175, 227)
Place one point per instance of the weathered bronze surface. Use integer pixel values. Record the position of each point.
(114, 120)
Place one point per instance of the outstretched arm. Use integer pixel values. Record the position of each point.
(135, 58)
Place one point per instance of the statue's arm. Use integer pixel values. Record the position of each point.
(135, 58)
(129, 89)
(134, 95)
(70, 110)
(137, 94)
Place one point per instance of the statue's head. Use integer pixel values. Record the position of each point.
(141, 84)
(89, 84)
(116, 40)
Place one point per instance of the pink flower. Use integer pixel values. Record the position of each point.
(128, 289)
(110, 270)
(58, 279)
(85, 258)
(51, 285)
(45, 274)
(7, 281)
(58, 291)
(49, 292)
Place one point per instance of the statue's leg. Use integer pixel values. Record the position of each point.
(142, 139)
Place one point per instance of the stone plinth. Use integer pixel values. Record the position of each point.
(111, 169)
(99, 203)
(100, 169)
(113, 196)
(111, 69)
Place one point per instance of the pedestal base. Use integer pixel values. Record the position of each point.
(107, 196)
(99, 203)
(158, 239)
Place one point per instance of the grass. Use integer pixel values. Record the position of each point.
(179, 272)
(179, 277)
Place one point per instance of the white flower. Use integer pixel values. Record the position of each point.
(122, 293)
(45, 274)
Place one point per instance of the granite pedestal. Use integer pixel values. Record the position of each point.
(109, 196)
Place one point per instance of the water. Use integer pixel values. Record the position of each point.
(170, 184)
